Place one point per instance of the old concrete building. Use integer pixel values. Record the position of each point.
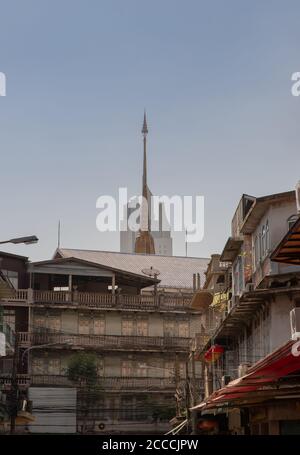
(139, 326)
(250, 346)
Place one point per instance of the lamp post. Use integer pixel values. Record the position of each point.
(27, 240)
(40, 346)
(14, 381)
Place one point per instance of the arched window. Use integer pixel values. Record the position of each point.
(267, 237)
(263, 242)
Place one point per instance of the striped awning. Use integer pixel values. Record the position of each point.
(288, 250)
(261, 381)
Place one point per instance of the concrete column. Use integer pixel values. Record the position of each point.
(69, 296)
(30, 295)
(70, 283)
(113, 284)
(113, 287)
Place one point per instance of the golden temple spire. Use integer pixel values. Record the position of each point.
(144, 242)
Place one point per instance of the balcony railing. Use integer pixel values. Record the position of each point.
(108, 383)
(100, 300)
(23, 381)
(118, 342)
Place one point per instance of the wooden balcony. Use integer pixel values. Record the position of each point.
(105, 342)
(23, 381)
(96, 300)
(109, 383)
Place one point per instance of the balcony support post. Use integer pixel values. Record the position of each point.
(113, 288)
(70, 286)
(30, 295)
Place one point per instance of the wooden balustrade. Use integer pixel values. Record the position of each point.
(23, 380)
(100, 300)
(121, 383)
(18, 295)
(118, 342)
(24, 339)
(93, 299)
(52, 296)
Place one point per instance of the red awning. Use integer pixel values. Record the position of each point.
(262, 376)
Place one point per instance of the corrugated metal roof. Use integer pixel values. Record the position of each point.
(175, 271)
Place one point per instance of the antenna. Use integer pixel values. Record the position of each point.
(58, 234)
(153, 273)
(186, 245)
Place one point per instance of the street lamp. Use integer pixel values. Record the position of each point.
(14, 382)
(40, 346)
(27, 240)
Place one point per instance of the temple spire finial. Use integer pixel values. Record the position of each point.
(145, 127)
(144, 242)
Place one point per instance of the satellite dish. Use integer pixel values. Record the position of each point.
(153, 273)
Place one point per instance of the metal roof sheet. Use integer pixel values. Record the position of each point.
(175, 271)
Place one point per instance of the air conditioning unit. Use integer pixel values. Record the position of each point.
(249, 287)
(242, 369)
(295, 323)
(298, 196)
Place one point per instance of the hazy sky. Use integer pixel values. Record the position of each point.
(214, 76)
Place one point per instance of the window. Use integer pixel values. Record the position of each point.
(84, 325)
(54, 366)
(141, 370)
(126, 369)
(183, 329)
(9, 318)
(263, 242)
(169, 369)
(99, 326)
(267, 237)
(100, 367)
(38, 365)
(257, 249)
(127, 327)
(182, 369)
(142, 327)
(291, 220)
(54, 323)
(169, 328)
(128, 408)
(39, 321)
(11, 276)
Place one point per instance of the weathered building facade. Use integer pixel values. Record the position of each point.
(251, 341)
(139, 327)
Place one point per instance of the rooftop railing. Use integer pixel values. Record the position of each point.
(102, 300)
